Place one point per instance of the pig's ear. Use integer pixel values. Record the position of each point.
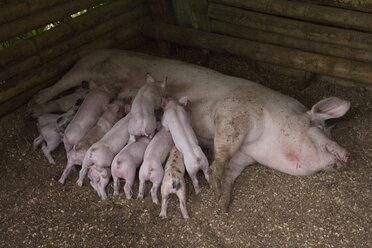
(164, 102)
(149, 78)
(127, 108)
(88, 84)
(183, 100)
(329, 108)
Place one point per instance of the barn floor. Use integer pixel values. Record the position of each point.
(269, 208)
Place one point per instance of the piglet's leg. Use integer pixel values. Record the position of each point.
(46, 151)
(141, 189)
(116, 185)
(38, 141)
(101, 189)
(67, 171)
(181, 194)
(127, 188)
(164, 204)
(195, 181)
(82, 174)
(154, 192)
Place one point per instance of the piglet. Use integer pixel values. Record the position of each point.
(174, 182)
(62, 104)
(101, 153)
(125, 164)
(87, 115)
(152, 166)
(50, 127)
(175, 120)
(99, 181)
(147, 100)
(111, 115)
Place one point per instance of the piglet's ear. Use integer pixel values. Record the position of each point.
(149, 78)
(329, 108)
(164, 102)
(127, 108)
(183, 100)
(164, 83)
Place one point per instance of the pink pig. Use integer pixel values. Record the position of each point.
(175, 120)
(50, 127)
(99, 181)
(88, 114)
(152, 166)
(111, 115)
(125, 164)
(147, 100)
(174, 182)
(101, 153)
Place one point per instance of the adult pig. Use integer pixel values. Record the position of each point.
(246, 122)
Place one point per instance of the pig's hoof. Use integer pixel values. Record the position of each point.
(61, 181)
(116, 193)
(186, 217)
(224, 202)
(163, 215)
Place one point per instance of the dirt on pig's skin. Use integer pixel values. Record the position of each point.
(268, 209)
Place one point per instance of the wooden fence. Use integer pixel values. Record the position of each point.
(38, 61)
(325, 37)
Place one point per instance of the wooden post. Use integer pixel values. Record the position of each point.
(199, 14)
(289, 27)
(287, 57)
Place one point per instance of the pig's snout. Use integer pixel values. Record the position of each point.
(341, 156)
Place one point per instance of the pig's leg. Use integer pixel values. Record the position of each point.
(52, 144)
(102, 191)
(71, 79)
(181, 194)
(116, 185)
(229, 135)
(132, 139)
(236, 165)
(154, 192)
(67, 170)
(164, 203)
(38, 141)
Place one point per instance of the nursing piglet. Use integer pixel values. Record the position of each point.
(50, 127)
(90, 110)
(99, 181)
(147, 100)
(174, 182)
(101, 153)
(152, 166)
(111, 115)
(175, 120)
(125, 164)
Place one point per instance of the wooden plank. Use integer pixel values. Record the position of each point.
(320, 64)
(52, 52)
(27, 80)
(12, 11)
(34, 21)
(290, 27)
(287, 41)
(308, 12)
